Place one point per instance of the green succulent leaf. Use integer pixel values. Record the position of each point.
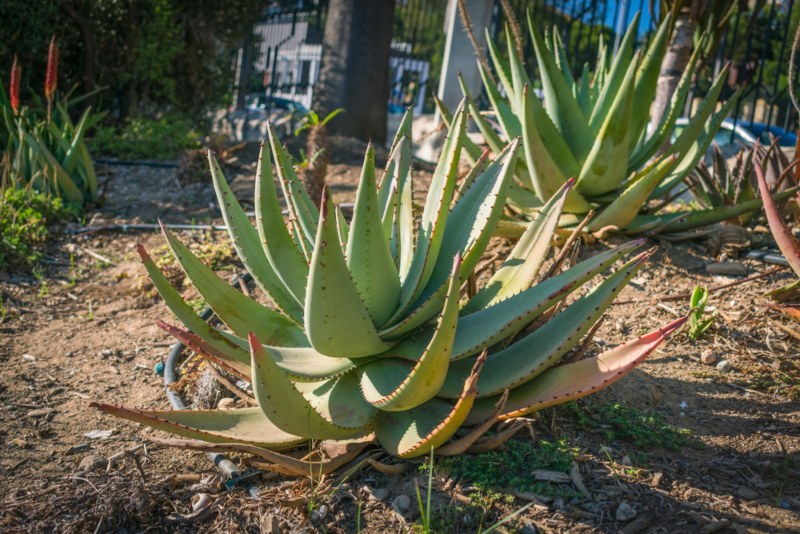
(246, 425)
(284, 404)
(369, 259)
(337, 321)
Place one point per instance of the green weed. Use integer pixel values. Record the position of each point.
(645, 430)
(142, 138)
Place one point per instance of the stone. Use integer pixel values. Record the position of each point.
(708, 357)
(724, 365)
(378, 494)
(625, 512)
(401, 504)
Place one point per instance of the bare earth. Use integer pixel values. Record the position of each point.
(85, 331)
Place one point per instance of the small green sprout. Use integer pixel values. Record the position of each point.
(697, 323)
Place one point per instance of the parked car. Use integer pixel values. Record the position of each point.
(732, 135)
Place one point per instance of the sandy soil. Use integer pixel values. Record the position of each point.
(84, 331)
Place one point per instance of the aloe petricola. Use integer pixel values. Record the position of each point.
(371, 335)
(595, 128)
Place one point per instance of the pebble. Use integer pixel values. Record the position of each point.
(625, 512)
(226, 403)
(727, 268)
(105, 353)
(401, 503)
(746, 493)
(724, 365)
(378, 494)
(90, 463)
(708, 357)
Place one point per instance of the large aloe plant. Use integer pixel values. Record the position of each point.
(371, 334)
(594, 128)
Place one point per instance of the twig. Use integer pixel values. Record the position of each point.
(688, 294)
(232, 388)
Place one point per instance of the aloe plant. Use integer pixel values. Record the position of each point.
(595, 128)
(371, 335)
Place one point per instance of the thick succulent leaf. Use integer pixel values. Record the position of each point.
(464, 443)
(65, 184)
(285, 405)
(478, 167)
(666, 128)
(369, 259)
(615, 78)
(421, 313)
(575, 380)
(607, 164)
(247, 425)
(505, 116)
(535, 353)
(502, 70)
(697, 123)
(523, 263)
(388, 390)
(474, 216)
(338, 400)
(210, 335)
(560, 56)
(484, 328)
(239, 312)
(622, 211)
(248, 246)
(783, 236)
(416, 431)
(306, 364)
(583, 91)
(492, 138)
(282, 253)
(559, 102)
(404, 130)
(336, 320)
(434, 216)
(550, 160)
(471, 151)
(304, 215)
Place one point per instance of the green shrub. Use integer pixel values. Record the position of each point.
(24, 217)
(143, 138)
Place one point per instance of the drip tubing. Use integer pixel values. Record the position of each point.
(234, 475)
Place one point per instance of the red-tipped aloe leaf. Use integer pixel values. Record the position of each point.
(783, 236)
(248, 425)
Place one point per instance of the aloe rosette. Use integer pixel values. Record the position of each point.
(595, 128)
(371, 335)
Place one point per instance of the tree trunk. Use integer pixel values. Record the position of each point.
(674, 63)
(354, 72)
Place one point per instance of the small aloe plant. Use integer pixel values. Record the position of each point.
(595, 128)
(371, 338)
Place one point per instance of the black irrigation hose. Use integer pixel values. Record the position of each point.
(235, 476)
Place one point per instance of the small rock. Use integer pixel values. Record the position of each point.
(558, 504)
(626, 460)
(708, 357)
(18, 442)
(105, 353)
(99, 434)
(91, 462)
(625, 512)
(378, 494)
(683, 405)
(29, 357)
(746, 493)
(401, 504)
(724, 365)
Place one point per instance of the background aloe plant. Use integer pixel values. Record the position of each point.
(594, 128)
(371, 336)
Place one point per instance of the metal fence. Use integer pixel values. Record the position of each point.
(285, 49)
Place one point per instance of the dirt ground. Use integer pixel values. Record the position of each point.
(83, 329)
